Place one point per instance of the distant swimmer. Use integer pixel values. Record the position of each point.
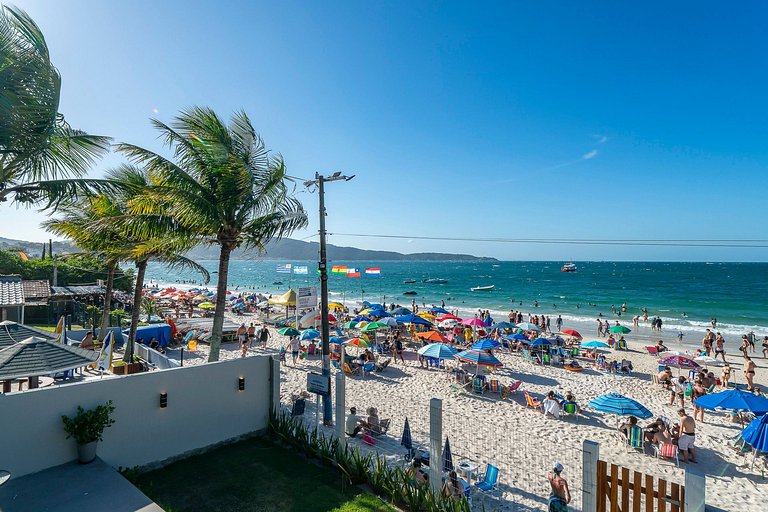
(554, 305)
(685, 315)
(535, 303)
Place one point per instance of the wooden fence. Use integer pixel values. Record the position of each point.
(622, 490)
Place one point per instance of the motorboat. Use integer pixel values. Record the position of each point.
(410, 292)
(409, 281)
(435, 280)
(568, 267)
(483, 288)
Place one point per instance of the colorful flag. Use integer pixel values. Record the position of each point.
(284, 269)
(339, 269)
(353, 272)
(105, 356)
(61, 331)
(375, 271)
(301, 269)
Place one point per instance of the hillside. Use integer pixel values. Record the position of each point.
(286, 249)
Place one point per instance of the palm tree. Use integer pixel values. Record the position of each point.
(40, 154)
(222, 186)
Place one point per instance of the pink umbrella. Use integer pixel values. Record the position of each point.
(474, 322)
(448, 317)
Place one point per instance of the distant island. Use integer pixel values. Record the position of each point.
(285, 249)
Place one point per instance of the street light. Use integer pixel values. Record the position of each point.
(322, 267)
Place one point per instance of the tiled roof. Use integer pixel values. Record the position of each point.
(38, 356)
(36, 289)
(12, 333)
(11, 291)
(72, 291)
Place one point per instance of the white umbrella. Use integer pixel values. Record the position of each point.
(448, 324)
(389, 321)
(706, 361)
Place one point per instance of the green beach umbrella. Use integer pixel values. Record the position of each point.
(289, 331)
(373, 326)
(620, 329)
(349, 325)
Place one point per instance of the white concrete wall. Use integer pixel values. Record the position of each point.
(204, 408)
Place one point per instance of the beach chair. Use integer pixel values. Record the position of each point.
(652, 350)
(336, 365)
(711, 389)
(368, 368)
(349, 371)
(570, 409)
(478, 385)
(383, 427)
(635, 439)
(383, 366)
(490, 482)
(622, 345)
(494, 386)
(534, 404)
(546, 358)
(667, 451)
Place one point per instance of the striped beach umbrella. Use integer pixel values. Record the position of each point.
(485, 344)
(615, 403)
(357, 342)
(478, 357)
(438, 351)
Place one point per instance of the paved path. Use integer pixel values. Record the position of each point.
(94, 487)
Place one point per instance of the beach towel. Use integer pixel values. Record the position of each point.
(367, 439)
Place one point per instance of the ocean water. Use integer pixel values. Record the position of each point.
(685, 295)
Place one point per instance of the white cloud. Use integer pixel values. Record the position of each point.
(590, 155)
(600, 139)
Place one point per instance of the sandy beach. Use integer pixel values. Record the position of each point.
(523, 442)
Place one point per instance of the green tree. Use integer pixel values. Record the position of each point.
(40, 154)
(222, 187)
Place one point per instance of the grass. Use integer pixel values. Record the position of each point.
(249, 476)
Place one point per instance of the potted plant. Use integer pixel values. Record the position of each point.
(87, 427)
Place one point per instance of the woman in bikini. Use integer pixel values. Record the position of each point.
(749, 372)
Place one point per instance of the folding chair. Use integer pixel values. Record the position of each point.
(478, 385)
(635, 439)
(571, 409)
(667, 451)
(490, 481)
(534, 404)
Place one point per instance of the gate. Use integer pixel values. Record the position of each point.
(622, 490)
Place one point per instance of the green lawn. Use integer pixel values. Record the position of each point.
(249, 476)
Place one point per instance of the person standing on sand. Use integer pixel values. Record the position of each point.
(560, 496)
(687, 438)
(251, 335)
(264, 335)
(720, 346)
(749, 372)
(559, 324)
(725, 375)
(678, 391)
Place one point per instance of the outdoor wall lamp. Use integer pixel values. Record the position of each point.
(241, 383)
(163, 400)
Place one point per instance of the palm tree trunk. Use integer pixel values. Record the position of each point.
(221, 298)
(111, 266)
(141, 268)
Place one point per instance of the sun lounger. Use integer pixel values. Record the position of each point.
(530, 402)
(666, 451)
(652, 350)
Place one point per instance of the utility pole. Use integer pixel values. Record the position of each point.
(322, 267)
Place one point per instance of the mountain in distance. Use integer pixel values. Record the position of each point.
(285, 249)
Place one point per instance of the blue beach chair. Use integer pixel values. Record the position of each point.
(490, 482)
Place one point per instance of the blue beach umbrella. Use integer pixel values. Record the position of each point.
(614, 403)
(373, 305)
(485, 344)
(401, 311)
(503, 325)
(518, 337)
(478, 357)
(310, 334)
(335, 340)
(379, 313)
(756, 433)
(413, 319)
(439, 310)
(438, 351)
(735, 400)
(447, 456)
(406, 441)
(595, 344)
(540, 342)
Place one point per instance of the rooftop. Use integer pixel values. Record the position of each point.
(40, 356)
(36, 289)
(74, 291)
(11, 291)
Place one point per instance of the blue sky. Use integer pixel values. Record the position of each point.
(595, 120)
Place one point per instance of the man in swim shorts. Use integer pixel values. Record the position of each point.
(687, 440)
(560, 495)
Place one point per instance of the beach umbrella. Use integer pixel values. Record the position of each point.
(485, 344)
(406, 441)
(571, 332)
(372, 305)
(620, 329)
(476, 322)
(432, 336)
(426, 315)
(401, 311)
(503, 325)
(289, 331)
(756, 433)
(707, 361)
(448, 324)
(540, 342)
(438, 351)
(595, 344)
(357, 342)
(449, 317)
(681, 362)
(413, 319)
(374, 326)
(335, 340)
(614, 403)
(447, 456)
(379, 313)
(527, 326)
(388, 321)
(336, 306)
(517, 337)
(478, 357)
(206, 305)
(349, 325)
(735, 400)
(310, 334)
(360, 318)
(438, 310)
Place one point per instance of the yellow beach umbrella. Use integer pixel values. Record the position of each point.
(426, 315)
(336, 306)
(206, 305)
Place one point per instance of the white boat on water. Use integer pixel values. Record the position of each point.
(568, 267)
(483, 288)
(435, 280)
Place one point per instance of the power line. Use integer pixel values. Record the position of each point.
(728, 243)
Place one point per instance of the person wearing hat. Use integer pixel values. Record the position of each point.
(560, 495)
